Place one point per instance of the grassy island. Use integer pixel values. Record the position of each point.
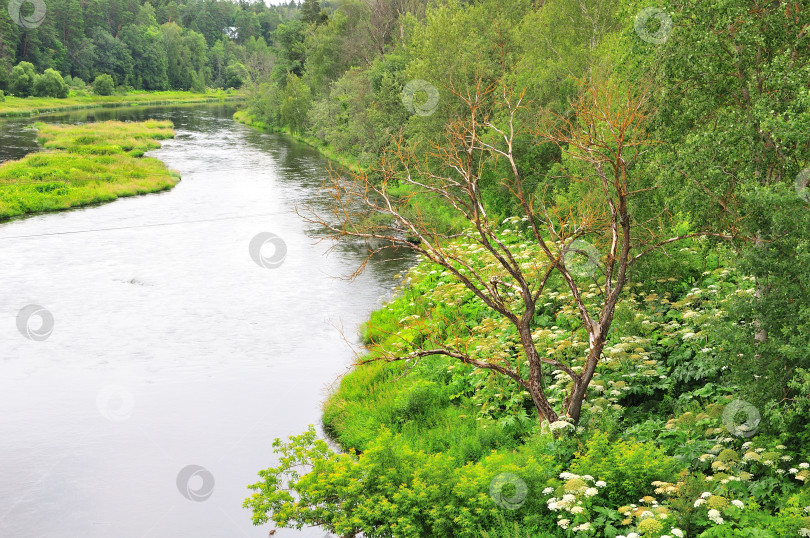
(85, 164)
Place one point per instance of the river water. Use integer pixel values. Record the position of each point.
(170, 347)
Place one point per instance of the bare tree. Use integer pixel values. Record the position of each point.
(603, 137)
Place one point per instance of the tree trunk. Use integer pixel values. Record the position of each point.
(580, 390)
(544, 410)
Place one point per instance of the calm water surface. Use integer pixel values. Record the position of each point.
(170, 346)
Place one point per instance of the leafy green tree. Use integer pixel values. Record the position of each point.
(235, 75)
(150, 64)
(177, 57)
(289, 41)
(197, 82)
(311, 12)
(21, 79)
(50, 84)
(733, 116)
(295, 100)
(70, 27)
(113, 57)
(8, 46)
(103, 85)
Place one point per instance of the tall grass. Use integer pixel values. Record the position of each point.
(32, 106)
(83, 165)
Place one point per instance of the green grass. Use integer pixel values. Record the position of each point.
(83, 165)
(32, 106)
(347, 161)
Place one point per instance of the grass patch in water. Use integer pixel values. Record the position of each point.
(85, 164)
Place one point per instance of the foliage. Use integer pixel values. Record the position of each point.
(153, 46)
(294, 104)
(50, 84)
(103, 85)
(21, 79)
(391, 489)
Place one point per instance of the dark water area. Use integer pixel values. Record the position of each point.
(170, 346)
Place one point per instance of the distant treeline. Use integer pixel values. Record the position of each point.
(151, 45)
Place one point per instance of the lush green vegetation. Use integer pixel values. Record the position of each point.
(158, 46)
(694, 421)
(32, 106)
(85, 164)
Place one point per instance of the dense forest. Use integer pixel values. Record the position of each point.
(146, 45)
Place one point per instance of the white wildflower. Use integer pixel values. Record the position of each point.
(559, 425)
(739, 504)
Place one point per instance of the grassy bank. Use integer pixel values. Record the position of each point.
(438, 448)
(32, 106)
(83, 165)
(347, 161)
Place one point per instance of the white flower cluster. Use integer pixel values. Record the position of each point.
(576, 489)
(560, 425)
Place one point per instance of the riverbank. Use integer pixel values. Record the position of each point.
(458, 451)
(13, 107)
(347, 161)
(84, 165)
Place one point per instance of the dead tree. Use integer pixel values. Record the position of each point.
(601, 139)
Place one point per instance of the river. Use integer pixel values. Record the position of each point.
(170, 346)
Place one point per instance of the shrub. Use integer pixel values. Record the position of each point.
(21, 79)
(75, 82)
(629, 467)
(197, 82)
(2, 96)
(393, 490)
(103, 85)
(50, 84)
